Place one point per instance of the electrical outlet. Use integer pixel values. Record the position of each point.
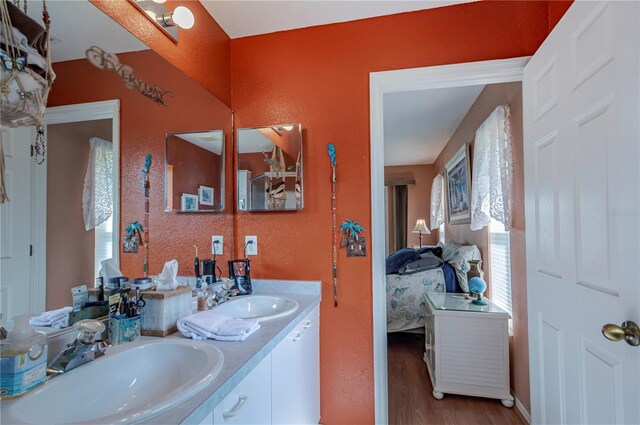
(217, 245)
(251, 248)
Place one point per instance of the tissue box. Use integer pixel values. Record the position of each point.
(163, 309)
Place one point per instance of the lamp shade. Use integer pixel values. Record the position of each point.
(421, 227)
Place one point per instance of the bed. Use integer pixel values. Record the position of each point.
(406, 292)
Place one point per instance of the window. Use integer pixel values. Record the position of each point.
(103, 243)
(500, 252)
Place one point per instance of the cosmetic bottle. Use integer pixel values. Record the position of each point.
(23, 359)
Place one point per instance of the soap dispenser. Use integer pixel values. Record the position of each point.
(23, 359)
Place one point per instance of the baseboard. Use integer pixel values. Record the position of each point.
(522, 410)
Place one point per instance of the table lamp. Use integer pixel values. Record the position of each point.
(421, 227)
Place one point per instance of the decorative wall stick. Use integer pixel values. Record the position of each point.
(147, 187)
(331, 150)
(110, 62)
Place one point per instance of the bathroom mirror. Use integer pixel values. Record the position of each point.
(194, 172)
(113, 89)
(269, 164)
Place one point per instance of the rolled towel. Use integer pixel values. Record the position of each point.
(54, 318)
(209, 324)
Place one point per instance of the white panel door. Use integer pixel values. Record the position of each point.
(582, 185)
(16, 294)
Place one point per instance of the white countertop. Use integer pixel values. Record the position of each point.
(241, 357)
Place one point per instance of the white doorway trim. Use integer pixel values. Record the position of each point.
(108, 109)
(380, 83)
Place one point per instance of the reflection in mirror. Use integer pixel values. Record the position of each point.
(194, 177)
(69, 208)
(269, 164)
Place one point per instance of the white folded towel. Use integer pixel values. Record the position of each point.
(209, 324)
(57, 319)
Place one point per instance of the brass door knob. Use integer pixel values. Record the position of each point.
(629, 331)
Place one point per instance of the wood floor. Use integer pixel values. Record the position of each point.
(410, 399)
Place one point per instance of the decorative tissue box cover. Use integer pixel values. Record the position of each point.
(163, 309)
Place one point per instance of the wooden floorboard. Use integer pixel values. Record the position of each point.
(410, 399)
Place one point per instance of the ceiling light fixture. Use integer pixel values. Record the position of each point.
(158, 13)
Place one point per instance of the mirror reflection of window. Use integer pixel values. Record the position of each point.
(269, 161)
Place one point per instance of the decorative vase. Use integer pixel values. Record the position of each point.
(475, 270)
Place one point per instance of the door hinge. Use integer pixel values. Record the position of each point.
(32, 153)
(30, 250)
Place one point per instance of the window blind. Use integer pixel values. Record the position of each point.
(500, 267)
(103, 243)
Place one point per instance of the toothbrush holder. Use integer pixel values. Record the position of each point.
(123, 330)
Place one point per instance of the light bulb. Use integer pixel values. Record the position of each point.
(183, 17)
(287, 127)
(159, 1)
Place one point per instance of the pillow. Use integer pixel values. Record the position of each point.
(399, 258)
(427, 261)
(458, 256)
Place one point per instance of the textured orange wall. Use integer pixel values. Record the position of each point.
(319, 76)
(143, 126)
(203, 52)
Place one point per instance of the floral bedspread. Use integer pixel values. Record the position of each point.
(406, 298)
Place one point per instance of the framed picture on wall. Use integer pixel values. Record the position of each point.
(205, 193)
(458, 178)
(189, 202)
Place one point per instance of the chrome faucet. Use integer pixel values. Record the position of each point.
(223, 294)
(83, 349)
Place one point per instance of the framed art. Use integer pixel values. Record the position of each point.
(205, 193)
(189, 202)
(458, 177)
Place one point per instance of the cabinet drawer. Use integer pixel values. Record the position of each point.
(250, 401)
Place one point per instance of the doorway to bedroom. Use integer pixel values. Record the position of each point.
(432, 253)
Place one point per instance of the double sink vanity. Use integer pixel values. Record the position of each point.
(271, 377)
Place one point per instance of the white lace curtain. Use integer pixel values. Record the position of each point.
(437, 202)
(97, 196)
(492, 171)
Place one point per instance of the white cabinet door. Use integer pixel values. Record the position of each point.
(296, 375)
(581, 146)
(249, 403)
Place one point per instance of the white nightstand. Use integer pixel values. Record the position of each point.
(467, 348)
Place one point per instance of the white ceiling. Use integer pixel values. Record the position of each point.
(79, 25)
(245, 18)
(207, 140)
(418, 124)
(253, 141)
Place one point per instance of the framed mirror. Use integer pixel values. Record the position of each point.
(194, 172)
(269, 164)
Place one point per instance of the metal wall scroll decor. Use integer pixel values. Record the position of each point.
(110, 62)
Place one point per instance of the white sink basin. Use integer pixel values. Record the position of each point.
(130, 383)
(261, 307)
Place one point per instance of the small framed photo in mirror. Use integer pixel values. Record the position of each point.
(205, 193)
(189, 202)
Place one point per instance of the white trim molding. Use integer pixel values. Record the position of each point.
(108, 109)
(523, 411)
(380, 83)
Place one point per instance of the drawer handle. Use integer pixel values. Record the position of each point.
(242, 400)
(307, 324)
(298, 336)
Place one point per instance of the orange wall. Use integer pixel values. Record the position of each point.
(492, 96)
(203, 52)
(321, 79)
(419, 198)
(143, 126)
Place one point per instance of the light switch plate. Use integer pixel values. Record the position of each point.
(217, 248)
(251, 249)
